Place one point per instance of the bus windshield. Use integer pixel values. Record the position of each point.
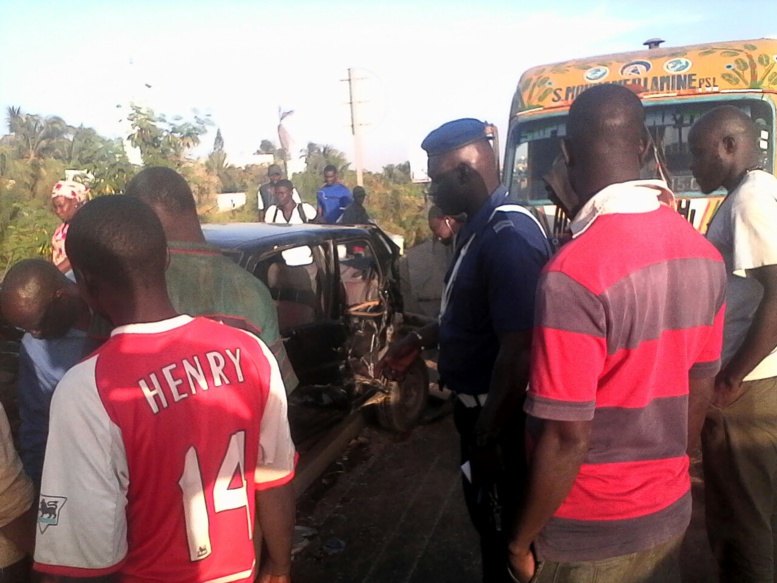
(535, 145)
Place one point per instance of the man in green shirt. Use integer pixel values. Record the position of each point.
(200, 280)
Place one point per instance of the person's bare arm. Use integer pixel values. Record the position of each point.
(21, 530)
(275, 509)
(560, 450)
(699, 399)
(761, 339)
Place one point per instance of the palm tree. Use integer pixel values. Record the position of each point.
(36, 138)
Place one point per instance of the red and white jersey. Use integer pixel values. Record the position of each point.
(157, 444)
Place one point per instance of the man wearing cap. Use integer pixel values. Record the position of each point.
(266, 196)
(356, 214)
(67, 197)
(484, 329)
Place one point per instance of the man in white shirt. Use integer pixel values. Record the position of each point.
(287, 210)
(740, 433)
(267, 196)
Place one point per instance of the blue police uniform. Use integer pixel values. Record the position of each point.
(490, 290)
(497, 263)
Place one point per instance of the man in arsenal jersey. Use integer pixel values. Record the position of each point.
(169, 440)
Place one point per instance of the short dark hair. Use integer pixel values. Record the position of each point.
(359, 192)
(608, 114)
(330, 168)
(164, 187)
(117, 239)
(287, 183)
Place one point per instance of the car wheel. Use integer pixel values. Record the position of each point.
(401, 408)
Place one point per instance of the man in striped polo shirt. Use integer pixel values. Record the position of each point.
(627, 344)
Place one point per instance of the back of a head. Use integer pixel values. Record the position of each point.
(606, 139)
(163, 188)
(606, 117)
(118, 240)
(28, 287)
(359, 193)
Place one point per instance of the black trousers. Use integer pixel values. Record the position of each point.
(493, 507)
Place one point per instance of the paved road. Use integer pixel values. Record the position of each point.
(392, 511)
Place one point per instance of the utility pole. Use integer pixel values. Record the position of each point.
(356, 127)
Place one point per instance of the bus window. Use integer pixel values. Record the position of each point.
(535, 144)
(538, 144)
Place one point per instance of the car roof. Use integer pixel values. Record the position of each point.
(247, 236)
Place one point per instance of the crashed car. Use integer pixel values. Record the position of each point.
(337, 293)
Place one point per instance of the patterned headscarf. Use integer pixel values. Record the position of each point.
(70, 189)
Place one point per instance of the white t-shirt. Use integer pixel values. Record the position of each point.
(275, 215)
(744, 230)
(294, 196)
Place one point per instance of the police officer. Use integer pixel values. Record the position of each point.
(484, 330)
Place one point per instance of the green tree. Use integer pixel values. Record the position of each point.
(162, 142)
(398, 173)
(35, 136)
(267, 147)
(102, 157)
(34, 139)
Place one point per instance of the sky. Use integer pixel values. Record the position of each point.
(418, 63)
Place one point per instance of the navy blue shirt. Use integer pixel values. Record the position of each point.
(501, 256)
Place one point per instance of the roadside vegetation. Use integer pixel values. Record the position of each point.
(36, 151)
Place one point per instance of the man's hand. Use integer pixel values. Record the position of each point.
(522, 564)
(397, 360)
(727, 390)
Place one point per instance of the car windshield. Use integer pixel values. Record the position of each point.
(534, 145)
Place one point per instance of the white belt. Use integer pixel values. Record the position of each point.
(472, 401)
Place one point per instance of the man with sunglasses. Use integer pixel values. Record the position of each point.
(43, 302)
(484, 330)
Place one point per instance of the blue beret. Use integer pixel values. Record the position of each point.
(454, 134)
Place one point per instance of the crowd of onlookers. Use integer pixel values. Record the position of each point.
(279, 201)
(155, 443)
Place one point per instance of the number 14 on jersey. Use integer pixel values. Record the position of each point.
(195, 504)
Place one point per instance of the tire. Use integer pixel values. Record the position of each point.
(402, 407)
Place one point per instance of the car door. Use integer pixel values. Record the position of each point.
(302, 283)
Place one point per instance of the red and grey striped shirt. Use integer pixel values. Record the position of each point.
(626, 314)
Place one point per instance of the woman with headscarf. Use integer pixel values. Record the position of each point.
(67, 197)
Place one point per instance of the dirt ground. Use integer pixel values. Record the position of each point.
(391, 509)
